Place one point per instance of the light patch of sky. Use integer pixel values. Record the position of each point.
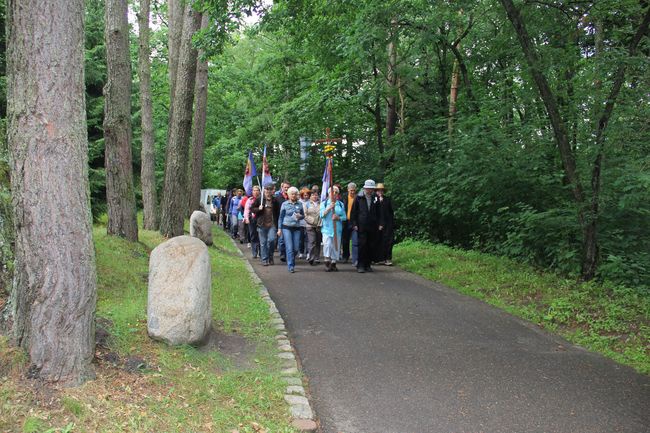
(251, 20)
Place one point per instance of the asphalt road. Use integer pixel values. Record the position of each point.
(389, 352)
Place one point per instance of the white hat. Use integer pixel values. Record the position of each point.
(370, 184)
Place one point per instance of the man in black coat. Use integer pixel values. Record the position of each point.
(367, 221)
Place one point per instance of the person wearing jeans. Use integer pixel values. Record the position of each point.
(291, 213)
(267, 210)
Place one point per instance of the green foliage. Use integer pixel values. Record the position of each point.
(610, 319)
(95, 73)
(495, 182)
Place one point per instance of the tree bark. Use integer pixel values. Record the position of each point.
(175, 30)
(54, 294)
(198, 135)
(148, 157)
(391, 81)
(120, 195)
(175, 190)
(453, 97)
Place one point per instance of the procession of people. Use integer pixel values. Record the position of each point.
(337, 227)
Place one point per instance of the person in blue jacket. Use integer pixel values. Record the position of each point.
(291, 213)
(333, 216)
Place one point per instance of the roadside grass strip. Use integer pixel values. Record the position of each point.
(611, 320)
(233, 385)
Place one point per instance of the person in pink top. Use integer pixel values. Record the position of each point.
(250, 219)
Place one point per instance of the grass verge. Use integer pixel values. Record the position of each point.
(614, 321)
(146, 386)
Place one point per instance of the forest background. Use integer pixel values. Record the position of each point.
(435, 99)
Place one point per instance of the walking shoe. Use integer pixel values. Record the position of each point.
(355, 264)
(265, 263)
(271, 262)
(389, 263)
(328, 266)
(283, 259)
(344, 261)
(334, 268)
(311, 262)
(361, 270)
(369, 269)
(292, 270)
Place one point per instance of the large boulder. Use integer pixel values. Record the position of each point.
(179, 304)
(201, 226)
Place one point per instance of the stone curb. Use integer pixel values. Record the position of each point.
(301, 411)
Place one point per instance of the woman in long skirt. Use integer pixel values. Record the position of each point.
(313, 220)
(333, 214)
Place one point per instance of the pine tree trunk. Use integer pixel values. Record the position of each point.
(198, 135)
(175, 29)
(54, 295)
(175, 190)
(148, 157)
(120, 195)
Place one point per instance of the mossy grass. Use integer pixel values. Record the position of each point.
(612, 320)
(179, 389)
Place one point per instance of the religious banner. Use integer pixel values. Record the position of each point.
(250, 172)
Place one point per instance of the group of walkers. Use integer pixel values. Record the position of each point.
(349, 226)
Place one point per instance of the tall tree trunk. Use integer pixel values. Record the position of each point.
(174, 203)
(402, 105)
(391, 81)
(54, 295)
(588, 212)
(453, 97)
(198, 135)
(148, 157)
(376, 111)
(120, 195)
(175, 10)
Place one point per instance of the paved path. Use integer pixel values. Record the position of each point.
(389, 352)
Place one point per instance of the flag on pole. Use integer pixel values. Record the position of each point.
(250, 172)
(266, 173)
(327, 179)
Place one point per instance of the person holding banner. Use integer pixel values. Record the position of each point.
(250, 218)
(333, 216)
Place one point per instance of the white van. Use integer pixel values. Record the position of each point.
(207, 195)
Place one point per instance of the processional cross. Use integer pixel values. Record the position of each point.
(329, 149)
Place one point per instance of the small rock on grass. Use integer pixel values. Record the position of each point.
(286, 355)
(289, 371)
(304, 425)
(293, 381)
(295, 389)
(301, 411)
(296, 400)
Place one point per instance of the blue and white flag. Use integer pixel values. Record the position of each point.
(250, 172)
(327, 179)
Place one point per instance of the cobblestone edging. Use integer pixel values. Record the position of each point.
(294, 395)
